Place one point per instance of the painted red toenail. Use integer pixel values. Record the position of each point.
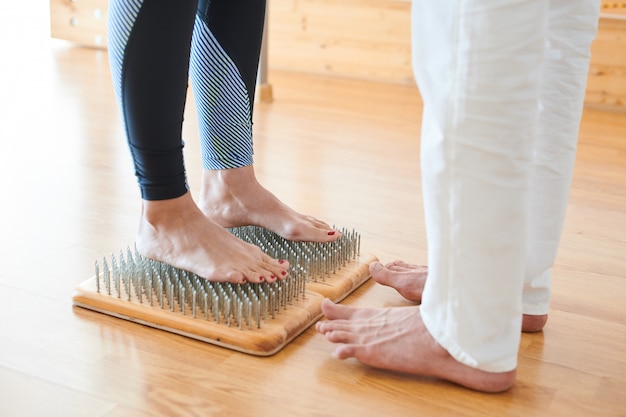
(282, 261)
(272, 276)
(283, 272)
(261, 278)
(331, 233)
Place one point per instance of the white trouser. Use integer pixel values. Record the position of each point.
(503, 83)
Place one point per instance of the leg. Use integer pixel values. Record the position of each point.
(149, 56)
(224, 63)
(572, 28)
(481, 105)
(477, 64)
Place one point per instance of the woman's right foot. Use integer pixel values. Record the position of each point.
(176, 232)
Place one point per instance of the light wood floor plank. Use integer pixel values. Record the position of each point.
(35, 397)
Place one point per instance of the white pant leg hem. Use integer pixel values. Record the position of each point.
(535, 309)
(506, 365)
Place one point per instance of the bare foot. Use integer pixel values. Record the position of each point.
(533, 323)
(396, 339)
(407, 279)
(176, 232)
(234, 197)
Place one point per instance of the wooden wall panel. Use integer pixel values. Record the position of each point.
(370, 40)
(363, 39)
(359, 39)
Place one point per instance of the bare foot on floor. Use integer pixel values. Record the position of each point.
(409, 280)
(234, 197)
(396, 339)
(176, 232)
(533, 323)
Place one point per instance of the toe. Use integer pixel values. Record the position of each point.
(345, 351)
(376, 269)
(334, 311)
(380, 273)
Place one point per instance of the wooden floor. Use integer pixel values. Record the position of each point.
(340, 150)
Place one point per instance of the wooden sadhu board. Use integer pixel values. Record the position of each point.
(273, 333)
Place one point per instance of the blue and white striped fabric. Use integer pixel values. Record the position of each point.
(222, 103)
(122, 16)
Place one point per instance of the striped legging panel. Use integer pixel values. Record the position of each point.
(122, 16)
(222, 102)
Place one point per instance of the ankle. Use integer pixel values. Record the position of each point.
(160, 211)
(229, 178)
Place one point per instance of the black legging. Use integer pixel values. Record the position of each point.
(150, 46)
